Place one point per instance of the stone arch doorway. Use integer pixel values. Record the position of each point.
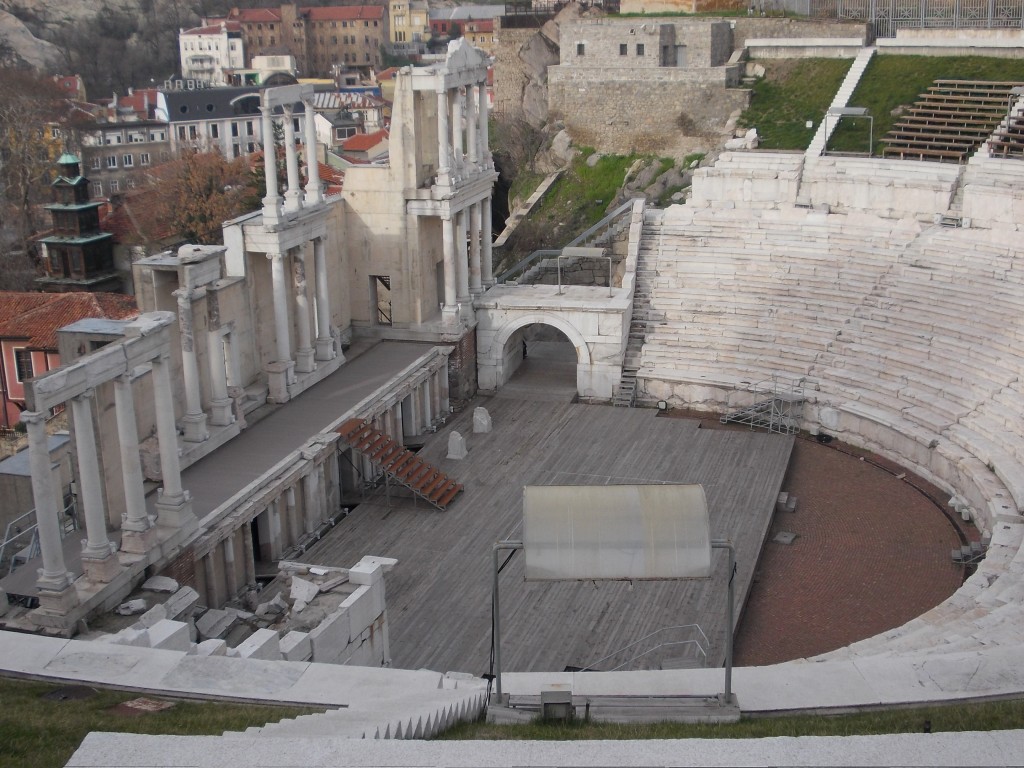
(536, 352)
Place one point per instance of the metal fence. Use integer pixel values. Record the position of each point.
(887, 16)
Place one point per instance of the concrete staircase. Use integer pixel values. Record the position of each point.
(400, 464)
(842, 99)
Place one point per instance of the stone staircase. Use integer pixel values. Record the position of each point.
(400, 464)
(646, 273)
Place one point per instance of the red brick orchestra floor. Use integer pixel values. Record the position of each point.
(872, 551)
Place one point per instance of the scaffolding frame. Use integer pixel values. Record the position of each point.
(774, 404)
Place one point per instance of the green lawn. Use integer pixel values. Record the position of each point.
(38, 732)
(961, 717)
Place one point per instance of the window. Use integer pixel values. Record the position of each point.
(214, 131)
(157, 136)
(131, 183)
(114, 186)
(144, 158)
(111, 161)
(97, 189)
(580, 49)
(248, 128)
(639, 49)
(181, 132)
(623, 49)
(96, 163)
(234, 129)
(334, 39)
(127, 161)
(23, 364)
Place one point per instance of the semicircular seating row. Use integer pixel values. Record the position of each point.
(909, 341)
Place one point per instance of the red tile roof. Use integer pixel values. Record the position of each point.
(215, 29)
(345, 13)
(387, 74)
(250, 15)
(363, 142)
(42, 314)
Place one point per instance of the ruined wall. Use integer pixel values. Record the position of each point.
(680, 6)
(744, 28)
(462, 381)
(668, 109)
(521, 59)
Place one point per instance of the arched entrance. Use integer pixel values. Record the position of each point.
(540, 362)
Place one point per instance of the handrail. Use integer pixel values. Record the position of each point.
(526, 262)
(590, 667)
(628, 205)
(31, 531)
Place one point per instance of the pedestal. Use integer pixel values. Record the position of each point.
(237, 395)
(138, 542)
(55, 603)
(221, 412)
(194, 426)
(101, 570)
(450, 315)
(175, 513)
(279, 376)
(325, 348)
(304, 362)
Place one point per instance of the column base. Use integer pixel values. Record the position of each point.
(54, 583)
(101, 570)
(56, 602)
(304, 361)
(194, 425)
(237, 395)
(175, 513)
(450, 314)
(279, 376)
(138, 542)
(221, 412)
(325, 348)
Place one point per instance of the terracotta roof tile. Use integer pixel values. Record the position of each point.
(45, 313)
(345, 13)
(362, 142)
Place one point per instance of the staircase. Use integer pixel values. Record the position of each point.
(400, 464)
(646, 272)
(842, 99)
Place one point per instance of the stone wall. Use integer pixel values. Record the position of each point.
(757, 27)
(680, 6)
(521, 59)
(462, 368)
(666, 110)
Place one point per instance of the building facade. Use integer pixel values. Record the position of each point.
(212, 52)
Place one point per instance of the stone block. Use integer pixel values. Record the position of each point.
(160, 584)
(366, 573)
(209, 648)
(361, 610)
(182, 603)
(481, 421)
(330, 637)
(303, 590)
(272, 608)
(153, 616)
(170, 635)
(296, 646)
(138, 638)
(261, 644)
(457, 446)
(215, 624)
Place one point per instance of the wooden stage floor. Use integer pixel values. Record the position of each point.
(439, 594)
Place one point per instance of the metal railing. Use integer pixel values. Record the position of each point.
(21, 537)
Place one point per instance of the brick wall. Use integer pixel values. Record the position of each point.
(183, 570)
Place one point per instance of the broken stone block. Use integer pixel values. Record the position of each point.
(299, 606)
(182, 603)
(457, 446)
(261, 644)
(131, 608)
(155, 614)
(303, 590)
(481, 421)
(272, 608)
(209, 648)
(296, 646)
(215, 624)
(170, 636)
(160, 584)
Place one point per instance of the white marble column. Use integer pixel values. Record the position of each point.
(290, 511)
(230, 574)
(475, 286)
(472, 123)
(458, 126)
(461, 257)
(98, 551)
(272, 202)
(314, 195)
(399, 423)
(481, 114)
(54, 578)
(427, 403)
(450, 311)
(137, 531)
(324, 343)
(442, 382)
(293, 195)
(173, 504)
(304, 362)
(486, 256)
(194, 420)
(248, 556)
(435, 396)
(221, 405)
(281, 372)
(309, 500)
(443, 164)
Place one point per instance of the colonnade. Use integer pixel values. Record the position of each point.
(75, 384)
(278, 107)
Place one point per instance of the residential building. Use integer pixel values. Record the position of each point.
(77, 254)
(224, 119)
(262, 69)
(361, 104)
(210, 53)
(28, 336)
(366, 147)
(318, 38)
(475, 22)
(410, 26)
(121, 140)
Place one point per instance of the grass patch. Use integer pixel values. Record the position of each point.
(792, 92)
(987, 716)
(893, 81)
(582, 194)
(524, 185)
(41, 733)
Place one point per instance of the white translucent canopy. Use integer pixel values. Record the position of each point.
(634, 532)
